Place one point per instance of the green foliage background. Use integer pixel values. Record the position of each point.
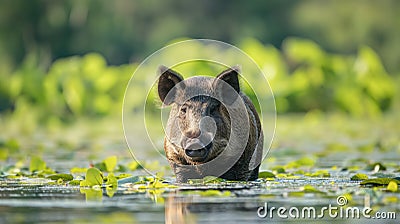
(331, 56)
(303, 77)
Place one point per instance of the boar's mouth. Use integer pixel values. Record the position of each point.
(197, 152)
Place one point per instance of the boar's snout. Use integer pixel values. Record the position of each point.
(197, 139)
(196, 150)
(197, 145)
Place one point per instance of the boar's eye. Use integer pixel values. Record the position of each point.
(214, 108)
(183, 110)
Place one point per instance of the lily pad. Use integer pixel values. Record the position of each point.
(123, 175)
(266, 174)
(359, 176)
(74, 182)
(302, 162)
(63, 176)
(379, 181)
(311, 189)
(319, 173)
(212, 179)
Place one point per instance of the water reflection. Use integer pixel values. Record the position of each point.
(183, 208)
(177, 211)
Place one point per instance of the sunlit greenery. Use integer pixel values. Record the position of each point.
(302, 75)
(72, 86)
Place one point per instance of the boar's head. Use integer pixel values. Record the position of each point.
(199, 124)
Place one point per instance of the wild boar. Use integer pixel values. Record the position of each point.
(213, 128)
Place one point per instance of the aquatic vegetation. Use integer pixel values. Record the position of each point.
(359, 176)
(380, 182)
(291, 177)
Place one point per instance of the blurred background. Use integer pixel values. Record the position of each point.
(64, 61)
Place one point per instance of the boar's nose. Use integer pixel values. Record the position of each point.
(197, 142)
(193, 133)
(195, 149)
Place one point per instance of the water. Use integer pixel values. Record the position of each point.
(40, 202)
(339, 147)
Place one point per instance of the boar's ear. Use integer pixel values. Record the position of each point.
(230, 77)
(168, 79)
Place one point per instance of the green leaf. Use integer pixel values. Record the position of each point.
(110, 163)
(319, 173)
(63, 176)
(392, 186)
(379, 181)
(74, 182)
(112, 185)
(266, 174)
(305, 189)
(278, 169)
(359, 176)
(84, 183)
(121, 168)
(101, 166)
(133, 165)
(37, 164)
(302, 162)
(123, 175)
(212, 179)
(311, 189)
(93, 177)
(111, 180)
(47, 171)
